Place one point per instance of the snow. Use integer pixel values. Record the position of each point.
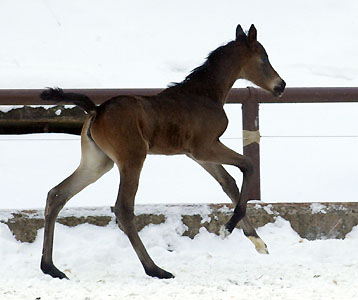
(7, 108)
(169, 210)
(268, 209)
(138, 44)
(318, 208)
(102, 265)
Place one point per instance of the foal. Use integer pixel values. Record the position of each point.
(186, 118)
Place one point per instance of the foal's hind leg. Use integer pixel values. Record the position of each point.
(229, 186)
(124, 210)
(94, 163)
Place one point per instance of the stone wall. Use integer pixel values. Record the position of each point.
(310, 220)
(38, 119)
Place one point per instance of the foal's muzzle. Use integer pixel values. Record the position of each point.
(279, 88)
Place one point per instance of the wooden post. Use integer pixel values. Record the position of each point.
(251, 142)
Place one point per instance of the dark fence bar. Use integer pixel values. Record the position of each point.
(237, 95)
(37, 120)
(32, 96)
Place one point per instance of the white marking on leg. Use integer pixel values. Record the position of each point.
(259, 245)
(223, 232)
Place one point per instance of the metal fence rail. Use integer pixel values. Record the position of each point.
(70, 122)
(236, 95)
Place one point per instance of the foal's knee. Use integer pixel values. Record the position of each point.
(246, 165)
(55, 201)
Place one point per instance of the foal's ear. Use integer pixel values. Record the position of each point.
(252, 36)
(239, 32)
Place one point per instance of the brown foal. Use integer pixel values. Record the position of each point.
(186, 118)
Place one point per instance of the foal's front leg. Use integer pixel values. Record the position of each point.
(217, 153)
(230, 188)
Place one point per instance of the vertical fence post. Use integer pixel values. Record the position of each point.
(251, 141)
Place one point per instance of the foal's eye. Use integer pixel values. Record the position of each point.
(265, 60)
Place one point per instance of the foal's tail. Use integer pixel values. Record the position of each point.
(57, 95)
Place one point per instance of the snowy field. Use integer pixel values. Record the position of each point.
(102, 265)
(137, 44)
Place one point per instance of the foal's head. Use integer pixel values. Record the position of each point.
(256, 67)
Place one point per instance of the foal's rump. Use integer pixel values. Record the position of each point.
(118, 128)
(115, 126)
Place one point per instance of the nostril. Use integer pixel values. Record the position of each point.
(278, 89)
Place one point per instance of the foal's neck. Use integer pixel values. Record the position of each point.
(215, 77)
(220, 80)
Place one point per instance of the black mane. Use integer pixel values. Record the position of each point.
(211, 60)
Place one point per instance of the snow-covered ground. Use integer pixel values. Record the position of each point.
(102, 265)
(140, 44)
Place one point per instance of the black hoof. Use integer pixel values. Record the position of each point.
(52, 271)
(159, 273)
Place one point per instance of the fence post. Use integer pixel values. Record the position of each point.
(251, 140)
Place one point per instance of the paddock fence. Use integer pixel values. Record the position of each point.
(310, 220)
(31, 119)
